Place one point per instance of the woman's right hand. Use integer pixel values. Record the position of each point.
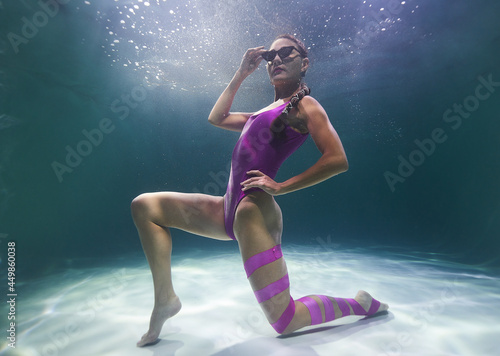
(251, 60)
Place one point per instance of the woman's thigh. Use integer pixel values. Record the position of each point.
(258, 227)
(199, 214)
(257, 224)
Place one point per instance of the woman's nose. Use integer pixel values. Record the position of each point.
(275, 59)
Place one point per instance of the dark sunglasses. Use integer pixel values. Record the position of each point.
(282, 53)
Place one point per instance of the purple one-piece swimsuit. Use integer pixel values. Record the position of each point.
(258, 148)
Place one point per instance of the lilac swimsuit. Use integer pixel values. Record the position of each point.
(258, 148)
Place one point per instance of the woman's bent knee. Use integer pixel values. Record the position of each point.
(141, 205)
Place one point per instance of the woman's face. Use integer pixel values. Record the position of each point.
(289, 69)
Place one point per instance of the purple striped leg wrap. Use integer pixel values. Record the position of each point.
(272, 289)
(262, 259)
(285, 318)
(315, 310)
(344, 308)
(329, 311)
(358, 309)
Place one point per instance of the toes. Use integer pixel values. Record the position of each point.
(147, 340)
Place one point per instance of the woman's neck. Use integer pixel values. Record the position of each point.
(284, 92)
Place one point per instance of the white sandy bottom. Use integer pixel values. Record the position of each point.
(436, 308)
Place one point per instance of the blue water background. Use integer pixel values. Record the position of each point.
(148, 76)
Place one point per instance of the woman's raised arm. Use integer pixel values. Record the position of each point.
(220, 115)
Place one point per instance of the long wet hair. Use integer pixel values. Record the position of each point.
(278, 124)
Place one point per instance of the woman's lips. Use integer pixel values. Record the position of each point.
(278, 71)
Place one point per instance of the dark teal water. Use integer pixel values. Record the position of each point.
(101, 101)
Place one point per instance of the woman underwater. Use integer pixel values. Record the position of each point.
(248, 212)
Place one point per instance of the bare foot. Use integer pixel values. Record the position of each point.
(158, 318)
(365, 300)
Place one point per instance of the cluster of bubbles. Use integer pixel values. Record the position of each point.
(194, 44)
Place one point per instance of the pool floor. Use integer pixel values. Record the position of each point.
(436, 308)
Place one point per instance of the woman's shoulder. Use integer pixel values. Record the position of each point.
(309, 100)
(309, 105)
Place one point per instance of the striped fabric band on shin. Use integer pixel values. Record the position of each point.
(344, 308)
(285, 318)
(359, 310)
(315, 310)
(329, 311)
(272, 289)
(262, 259)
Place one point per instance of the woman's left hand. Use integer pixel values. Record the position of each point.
(261, 181)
